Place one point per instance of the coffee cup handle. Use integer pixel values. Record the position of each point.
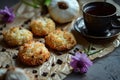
(115, 23)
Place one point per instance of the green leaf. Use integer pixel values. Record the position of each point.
(39, 2)
(35, 1)
(89, 48)
(85, 51)
(47, 2)
(95, 52)
(31, 4)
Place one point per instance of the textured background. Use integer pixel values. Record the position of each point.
(106, 68)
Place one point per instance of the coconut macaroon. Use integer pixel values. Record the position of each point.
(33, 53)
(16, 36)
(60, 40)
(42, 26)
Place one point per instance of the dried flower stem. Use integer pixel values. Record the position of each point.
(95, 52)
(89, 52)
(36, 3)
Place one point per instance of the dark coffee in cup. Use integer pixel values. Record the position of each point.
(100, 10)
(99, 18)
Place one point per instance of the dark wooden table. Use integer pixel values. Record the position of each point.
(106, 68)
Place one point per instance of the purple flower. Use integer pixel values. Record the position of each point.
(7, 15)
(80, 62)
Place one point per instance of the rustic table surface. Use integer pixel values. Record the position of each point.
(106, 68)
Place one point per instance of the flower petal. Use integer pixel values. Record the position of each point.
(74, 63)
(80, 62)
(7, 15)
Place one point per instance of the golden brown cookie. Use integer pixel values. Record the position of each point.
(42, 26)
(60, 40)
(33, 53)
(16, 36)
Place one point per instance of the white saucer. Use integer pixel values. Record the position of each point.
(80, 27)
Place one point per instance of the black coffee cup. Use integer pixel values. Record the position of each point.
(100, 18)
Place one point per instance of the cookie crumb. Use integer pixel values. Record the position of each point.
(3, 50)
(59, 61)
(36, 76)
(14, 57)
(34, 71)
(53, 74)
(7, 66)
(53, 64)
(45, 74)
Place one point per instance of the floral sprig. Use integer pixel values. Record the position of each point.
(7, 15)
(36, 3)
(80, 62)
(91, 50)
